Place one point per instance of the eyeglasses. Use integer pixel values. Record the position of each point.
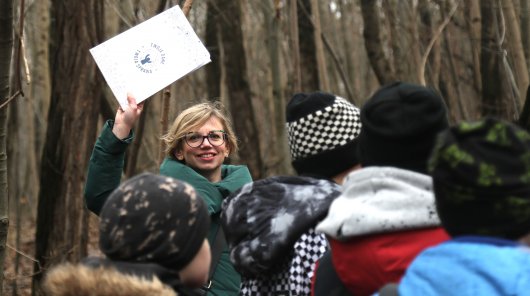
(215, 138)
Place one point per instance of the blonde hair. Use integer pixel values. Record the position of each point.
(192, 119)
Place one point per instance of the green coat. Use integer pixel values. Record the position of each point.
(104, 175)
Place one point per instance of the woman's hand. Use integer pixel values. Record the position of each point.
(126, 118)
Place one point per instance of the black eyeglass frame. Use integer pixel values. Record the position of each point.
(224, 137)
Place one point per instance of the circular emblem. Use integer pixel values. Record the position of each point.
(149, 58)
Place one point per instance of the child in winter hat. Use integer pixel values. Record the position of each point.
(269, 224)
(400, 123)
(153, 230)
(386, 214)
(322, 130)
(153, 218)
(481, 176)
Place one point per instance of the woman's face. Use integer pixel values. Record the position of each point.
(206, 159)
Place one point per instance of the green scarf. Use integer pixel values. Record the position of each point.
(233, 177)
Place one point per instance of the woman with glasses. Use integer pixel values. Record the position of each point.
(197, 144)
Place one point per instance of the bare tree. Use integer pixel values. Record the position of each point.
(514, 45)
(525, 30)
(346, 9)
(76, 88)
(398, 38)
(496, 90)
(28, 114)
(213, 69)
(6, 47)
(374, 44)
(238, 88)
(426, 35)
(474, 22)
(295, 46)
(319, 48)
(308, 52)
(279, 162)
(38, 39)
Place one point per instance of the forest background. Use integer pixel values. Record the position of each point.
(53, 100)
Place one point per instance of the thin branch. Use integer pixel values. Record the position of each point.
(11, 98)
(132, 157)
(503, 55)
(503, 26)
(433, 40)
(187, 7)
(26, 255)
(17, 58)
(295, 46)
(166, 94)
(341, 71)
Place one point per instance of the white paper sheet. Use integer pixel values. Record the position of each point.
(148, 57)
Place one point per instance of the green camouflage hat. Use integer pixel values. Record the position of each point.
(481, 176)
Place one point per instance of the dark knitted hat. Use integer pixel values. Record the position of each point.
(153, 218)
(400, 123)
(481, 176)
(322, 131)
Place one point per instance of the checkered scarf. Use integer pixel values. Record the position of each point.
(264, 219)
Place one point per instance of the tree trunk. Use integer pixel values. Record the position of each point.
(295, 46)
(525, 30)
(6, 47)
(374, 44)
(213, 69)
(346, 8)
(322, 69)
(279, 163)
(39, 12)
(474, 30)
(415, 56)
(238, 88)
(453, 72)
(308, 52)
(425, 34)
(495, 88)
(515, 47)
(396, 34)
(72, 124)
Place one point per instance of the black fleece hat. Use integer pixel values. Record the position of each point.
(322, 130)
(400, 124)
(481, 177)
(155, 219)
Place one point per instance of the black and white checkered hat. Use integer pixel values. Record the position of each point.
(322, 131)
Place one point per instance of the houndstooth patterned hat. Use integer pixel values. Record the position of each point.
(322, 131)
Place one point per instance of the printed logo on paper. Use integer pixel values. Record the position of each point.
(149, 58)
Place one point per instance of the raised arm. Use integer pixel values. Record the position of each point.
(108, 156)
